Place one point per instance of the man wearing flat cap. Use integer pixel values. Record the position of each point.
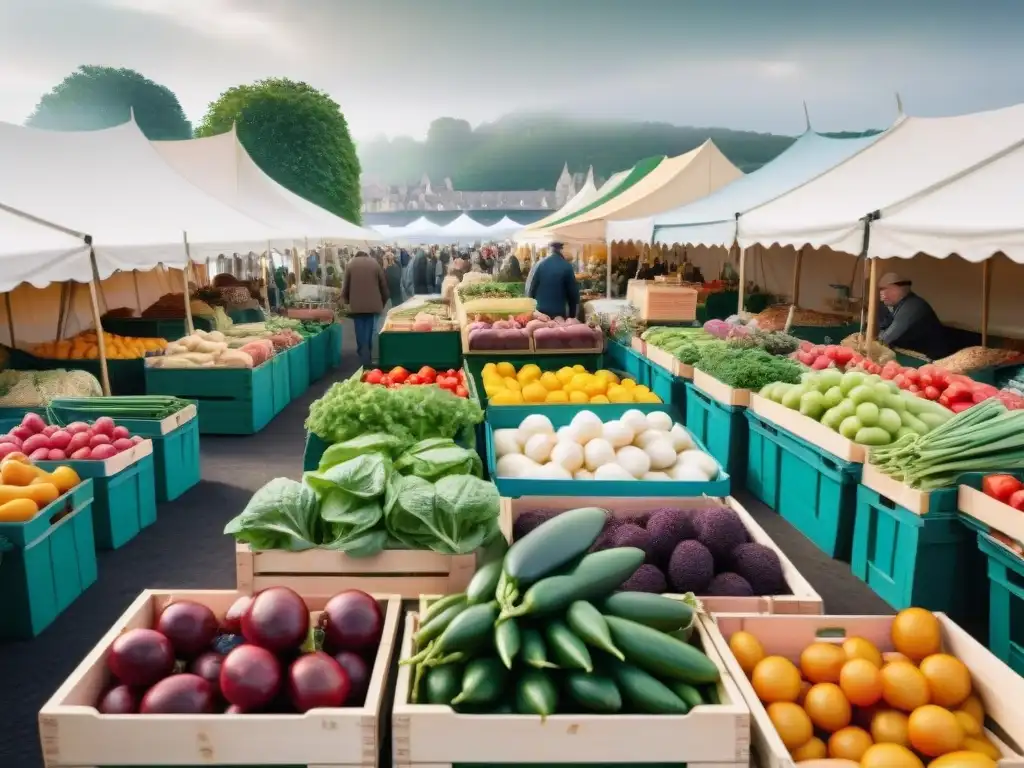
(552, 283)
(908, 321)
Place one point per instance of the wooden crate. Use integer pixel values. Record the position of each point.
(662, 358)
(723, 393)
(808, 429)
(662, 301)
(75, 734)
(992, 513)
(1000, 689)
(638, 345)
(899, 493)
(433, 736)
(802, 600)
(321, 572)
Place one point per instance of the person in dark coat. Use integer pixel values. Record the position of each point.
(365, 290)
(553, 285)
(420, 266)
(909, 322)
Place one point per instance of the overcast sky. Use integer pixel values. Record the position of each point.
(394, 65)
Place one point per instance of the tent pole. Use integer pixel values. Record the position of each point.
(266, 280)
(743, 278)
(60, 312)
(186, 278)
(986, 294)
(869, 332)
(100, 343)
(10, 316)
(608, 272)
(796, 277)
(67, 301)
(135, 283)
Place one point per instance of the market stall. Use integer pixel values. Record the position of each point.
(418, 332)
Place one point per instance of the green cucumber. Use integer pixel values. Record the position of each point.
(661, 654)
(597, 574)
(686, 692)
(595, 693)
(535, 651)
(569, 651)
(711, 694)
(482, 586)
(536, 694)
(440, 605)
(589, 625)
(483, 682)
(653, 611)
(507, 641)
(442, 684)
(467, 632)
(645, 693)
(433, 628)
(552, 543)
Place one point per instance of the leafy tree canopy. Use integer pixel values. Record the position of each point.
(91, 98)
(297, 135)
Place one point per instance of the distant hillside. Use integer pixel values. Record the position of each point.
(524, 152)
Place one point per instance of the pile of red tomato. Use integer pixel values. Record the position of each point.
(453, 380)
(1005, 488)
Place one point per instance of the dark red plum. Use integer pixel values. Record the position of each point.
(277, 619)
(183, 694)
(352, 621)
(316, 680)
(190, 627)
(141, 657)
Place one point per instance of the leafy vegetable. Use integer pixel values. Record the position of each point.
(364, 476)
(388, 445)
(456, 516)
(746, 368)
(492, 290)
(772, 342)
(280, 515)
(435, 458)
(351, 524)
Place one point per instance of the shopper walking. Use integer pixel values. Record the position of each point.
(365, 291)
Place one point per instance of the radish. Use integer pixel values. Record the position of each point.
(10, 439)
(50, 429)
(78, 440)
(123, 444)
(60, 439)
(6, 449)
(82, 454)
(22, 433)
(136, 439)
(33, 422)
(104, 451)
(77, 426)
(40, 454)
(56, 454)
(97, 440)
(104, 425)
(119, 433)
(34, 443)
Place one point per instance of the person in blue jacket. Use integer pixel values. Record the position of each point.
(553, 285)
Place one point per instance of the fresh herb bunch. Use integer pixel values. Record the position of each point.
(492, 290)
(772, 342)
(746, 368)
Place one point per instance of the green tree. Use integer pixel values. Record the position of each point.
(101, 97)
(297, 135)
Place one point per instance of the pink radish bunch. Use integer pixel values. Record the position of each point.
(77, 441)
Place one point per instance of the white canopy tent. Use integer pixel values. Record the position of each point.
(422, 230)
(464, 229)
(27, 244)
(504, 229)
(538, 233)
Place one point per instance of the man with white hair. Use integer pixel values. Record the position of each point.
(908, 321)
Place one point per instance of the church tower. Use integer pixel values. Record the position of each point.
(565, 188)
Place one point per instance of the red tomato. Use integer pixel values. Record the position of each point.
(461, 391)
(373, 377)
(821, 362)
(900, 380)
(398, 374)
(415, 379)
(385, 381)
(1000, 487)
(926, 379)
(1017, 501)
(888, 374)
(395, 385)
(931, 393)
(960, 407)
(451, 372)
(913, 375)
(913, 388)
(944, 400)
(447, 382)
(428, 374)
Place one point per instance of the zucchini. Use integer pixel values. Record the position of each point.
(645, 693)
(442, 684)
(597, 574)
(569, 651)
(433, 628)
(536, 694)
(595, 693)
(711, 694)
(440, 605)
(686, 692)
(589, 625)
(482, 586)
(483, 682)
(466, 632)
(507, 641)
(661, 654)
(535, 652)
(552, 543)
(653, 611)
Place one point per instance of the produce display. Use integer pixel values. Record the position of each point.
(452, 380)
(373, 492)
(420, 317)
(820, 356)
(745, 368)
(351, 408)
(986, 438)
(974, 358)
(490, 309)
(505, 385)
(256, 658)
(491, 290)
(171, 306)
(545, 333)
(637, 446)
(79, 441)
(34, 389)
(85, 346)
(774, 318)
(672, 339)
(543, 632)
(25, 488)
(1005, 488)
(852, 701)
(705, 551)
(154, 407)
(210, 349)
(861, 407)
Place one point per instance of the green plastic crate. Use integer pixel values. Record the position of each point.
(232, 401)
(281, 390)
(438, 349)
(176, 461)
(1005, 602)
(334, 345)
(247, 316)
(813, 490)
(315, 447)
(127, 377)
(929, 560)
(671, 389)
(722, 428)
(638, 367)
(46, 563)
(298, 370)
(144, 327)
(318, 345)
(615, 354)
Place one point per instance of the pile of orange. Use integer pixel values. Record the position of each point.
(908, 708)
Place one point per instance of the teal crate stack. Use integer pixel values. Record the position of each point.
(46, 563)
(615, 354)
(318, 344)
(927, 560)
(124, 503)
(638, 367)
(176, 459)
(281, 391)
(315, 447)
(813, 490)
(298, 369)
(1005, 602)
(722, 428)
(334, 346)
(671, 389)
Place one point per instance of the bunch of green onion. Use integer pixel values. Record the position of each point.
(116, 407)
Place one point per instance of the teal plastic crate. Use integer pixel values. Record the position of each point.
(615, 354)
(123, 503)
(438, 349)
(298, 370)
(929, 561)
(176, 461)
(812, 489)
(46, 563)
(315, 447)
(282, 391)
(231, 401)
(145, 327)
(318, 344)
(334, 345)
(247, 316)
(722, 428)
(1005, 602)
(671, 389)
(506, 418)
(127, 377)
(638, 367)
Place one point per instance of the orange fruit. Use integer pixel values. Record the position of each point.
(827, 706)
(821, 662)
(982, 745)
(971, 726)
(791, 722)
(889, 726)
(775, 679)
(849, 743)
(747, 649)
(963, 760)
(934, 731)
(890, 756)
(903, 686)
(949, 681)
(859, 648)
(916, 633)
(804, 688)
(814, 749)
(861, 681)
(890, 656)
(972, 706)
